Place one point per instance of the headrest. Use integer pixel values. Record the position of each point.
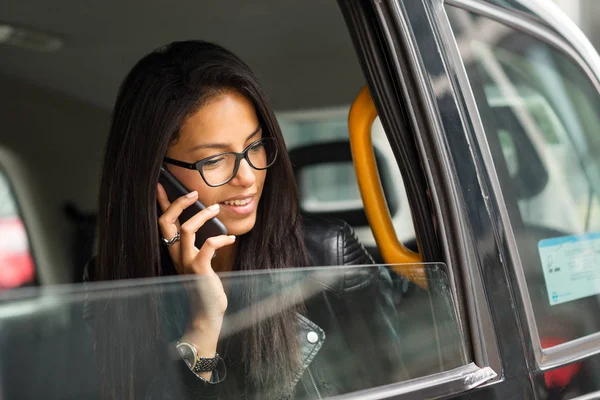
(310, 159)
(527, 171)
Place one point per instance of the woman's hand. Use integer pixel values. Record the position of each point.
(208, 299)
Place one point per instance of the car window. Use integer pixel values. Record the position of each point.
(329, 183)
(17, 267)
(60, 97)
(322, 186)
(540, 112)
(348, 340)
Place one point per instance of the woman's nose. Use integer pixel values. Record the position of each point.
(245, 175)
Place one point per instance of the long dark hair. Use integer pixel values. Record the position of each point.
(155, 98)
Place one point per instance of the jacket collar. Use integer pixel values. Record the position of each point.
(311, 338)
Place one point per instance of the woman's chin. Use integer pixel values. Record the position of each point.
(240, 227)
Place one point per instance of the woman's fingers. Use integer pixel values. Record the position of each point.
(172, 211)
(161, 196)
(185, 255)
(168, 222)
(202, 260)
(190, 227)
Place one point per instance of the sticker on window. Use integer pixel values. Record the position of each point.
(571, 266)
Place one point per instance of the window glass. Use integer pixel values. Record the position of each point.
(540, 113)
(16, 263)
(347, 339)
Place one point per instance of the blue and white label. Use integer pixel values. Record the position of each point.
(571, 266)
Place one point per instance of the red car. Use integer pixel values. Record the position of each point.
(16, 263)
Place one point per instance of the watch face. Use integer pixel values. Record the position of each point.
(187, 353)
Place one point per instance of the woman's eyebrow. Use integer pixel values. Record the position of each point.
(256, 131)
(223, 145)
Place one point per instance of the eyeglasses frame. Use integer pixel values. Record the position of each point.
(238, 158)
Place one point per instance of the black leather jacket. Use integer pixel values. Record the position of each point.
(348, 335)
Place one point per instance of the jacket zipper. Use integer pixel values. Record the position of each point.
(312, 379)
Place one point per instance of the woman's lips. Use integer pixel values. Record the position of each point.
(247, 208)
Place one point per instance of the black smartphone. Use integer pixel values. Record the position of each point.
(175, 189)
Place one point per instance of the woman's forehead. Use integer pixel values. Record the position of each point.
(227, 119)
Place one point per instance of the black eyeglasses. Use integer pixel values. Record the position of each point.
(221, 168)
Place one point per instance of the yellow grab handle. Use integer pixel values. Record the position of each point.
(360, 120)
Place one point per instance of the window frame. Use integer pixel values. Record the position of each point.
(578, 349)
(389, 54)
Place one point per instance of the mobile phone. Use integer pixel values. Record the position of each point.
(175, 189)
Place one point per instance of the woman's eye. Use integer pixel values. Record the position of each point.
(213, 163)
(258, 147)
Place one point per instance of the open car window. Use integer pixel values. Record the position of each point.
(61, 99)
(352, 341)
(320, 150)
(540, 112)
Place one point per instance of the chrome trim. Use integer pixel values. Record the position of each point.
(481, 322)
(554, 16)
(569, 352)
(533, 29)
(484, 342)
(434, 386)
(573, 350)
(589, 396)
(486, 157)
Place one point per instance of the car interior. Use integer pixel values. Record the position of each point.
(56, 104)
(60, 69)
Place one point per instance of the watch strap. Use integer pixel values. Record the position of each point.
(206, 364)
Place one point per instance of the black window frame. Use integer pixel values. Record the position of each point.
(385, 43)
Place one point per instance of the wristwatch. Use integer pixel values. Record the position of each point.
(189, 353)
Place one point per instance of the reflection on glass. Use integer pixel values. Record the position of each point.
(593, 218)
(78, 339)
(510, 151)
(541, 114)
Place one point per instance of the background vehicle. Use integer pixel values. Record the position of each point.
(15, 255)
(486, 146)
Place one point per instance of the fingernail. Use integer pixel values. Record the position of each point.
(214, 207)
(232, 237)
(192, 194)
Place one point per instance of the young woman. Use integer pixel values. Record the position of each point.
(198, 110)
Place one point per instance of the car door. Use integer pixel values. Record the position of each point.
(443, 111)
(392, 40)
(531, 88)
(417, 82)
